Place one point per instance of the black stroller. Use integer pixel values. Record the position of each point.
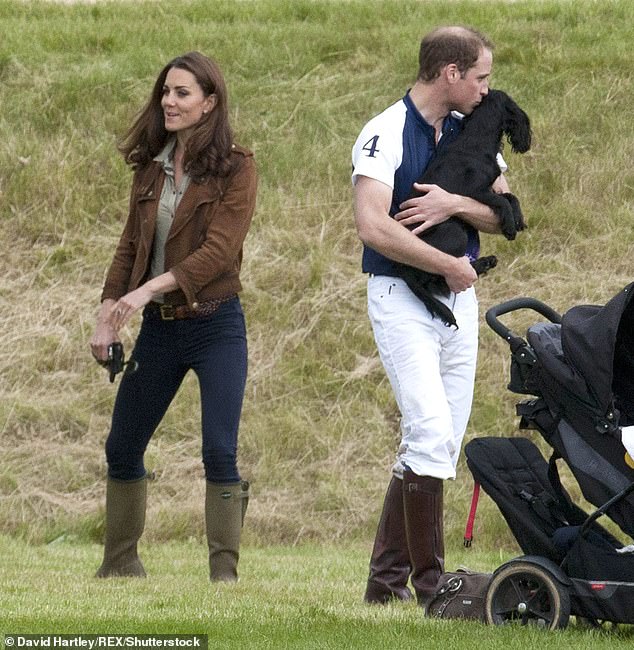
(579, 368)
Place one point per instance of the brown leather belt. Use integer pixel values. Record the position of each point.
(182, 312)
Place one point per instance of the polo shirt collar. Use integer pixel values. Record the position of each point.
(450, 121)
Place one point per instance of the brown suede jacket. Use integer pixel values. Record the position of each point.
(204, 246)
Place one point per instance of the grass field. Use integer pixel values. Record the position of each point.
(320, 425)
(307, 597)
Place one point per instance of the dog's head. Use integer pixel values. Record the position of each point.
(515, 122)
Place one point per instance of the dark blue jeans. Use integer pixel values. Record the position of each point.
(215, 348)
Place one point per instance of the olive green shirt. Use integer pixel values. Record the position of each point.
(170, 198)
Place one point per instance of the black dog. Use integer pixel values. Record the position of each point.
(468, 166)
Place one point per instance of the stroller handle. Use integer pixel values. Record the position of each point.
(501, 330)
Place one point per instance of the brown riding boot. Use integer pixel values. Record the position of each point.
(423, 502)
(125, 521)
(225, 508)
(389, 563)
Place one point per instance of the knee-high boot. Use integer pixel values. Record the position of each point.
(225, 508)
(125, 521)
(390, 563)
(423, 501)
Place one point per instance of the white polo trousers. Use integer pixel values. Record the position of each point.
(431, 368)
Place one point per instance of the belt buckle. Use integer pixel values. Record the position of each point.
(167, 312)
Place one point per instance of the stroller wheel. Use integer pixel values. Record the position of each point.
(527, 594)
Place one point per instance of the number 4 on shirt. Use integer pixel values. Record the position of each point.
(370, 146)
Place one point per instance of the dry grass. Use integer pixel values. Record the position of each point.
(320, 425)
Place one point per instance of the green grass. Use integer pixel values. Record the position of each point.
(287, 597)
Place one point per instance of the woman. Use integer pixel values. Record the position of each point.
(178, 260)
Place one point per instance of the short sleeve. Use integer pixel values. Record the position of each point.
(378, 151)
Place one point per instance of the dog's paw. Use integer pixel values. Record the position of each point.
(484, 264)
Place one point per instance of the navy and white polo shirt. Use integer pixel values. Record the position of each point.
(395, 147)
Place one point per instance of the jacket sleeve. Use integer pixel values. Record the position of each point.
(221, 250)
(118, 276)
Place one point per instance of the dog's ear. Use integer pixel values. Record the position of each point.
(517, 127)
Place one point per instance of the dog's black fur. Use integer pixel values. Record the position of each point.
(468, 166)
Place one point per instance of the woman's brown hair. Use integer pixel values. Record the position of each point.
(208, 150)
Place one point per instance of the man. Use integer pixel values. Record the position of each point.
(431, 367)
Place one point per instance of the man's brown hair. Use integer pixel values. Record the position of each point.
(445, 45)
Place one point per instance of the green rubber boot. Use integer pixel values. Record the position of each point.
(225, 508)
(125, 520)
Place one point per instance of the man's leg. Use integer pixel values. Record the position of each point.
(423, 504)
(408, 344)
(389, 563)
(458, 367)
(412, 347)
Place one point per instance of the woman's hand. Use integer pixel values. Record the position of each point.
(124, 308)
(104, 334)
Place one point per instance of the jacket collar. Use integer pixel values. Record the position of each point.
(150, 186)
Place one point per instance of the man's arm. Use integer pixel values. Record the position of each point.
(438, 205)
(379, 231)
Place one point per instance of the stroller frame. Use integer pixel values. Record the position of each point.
(572, 565)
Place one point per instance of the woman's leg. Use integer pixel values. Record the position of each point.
(143, 397)
(219, 351)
